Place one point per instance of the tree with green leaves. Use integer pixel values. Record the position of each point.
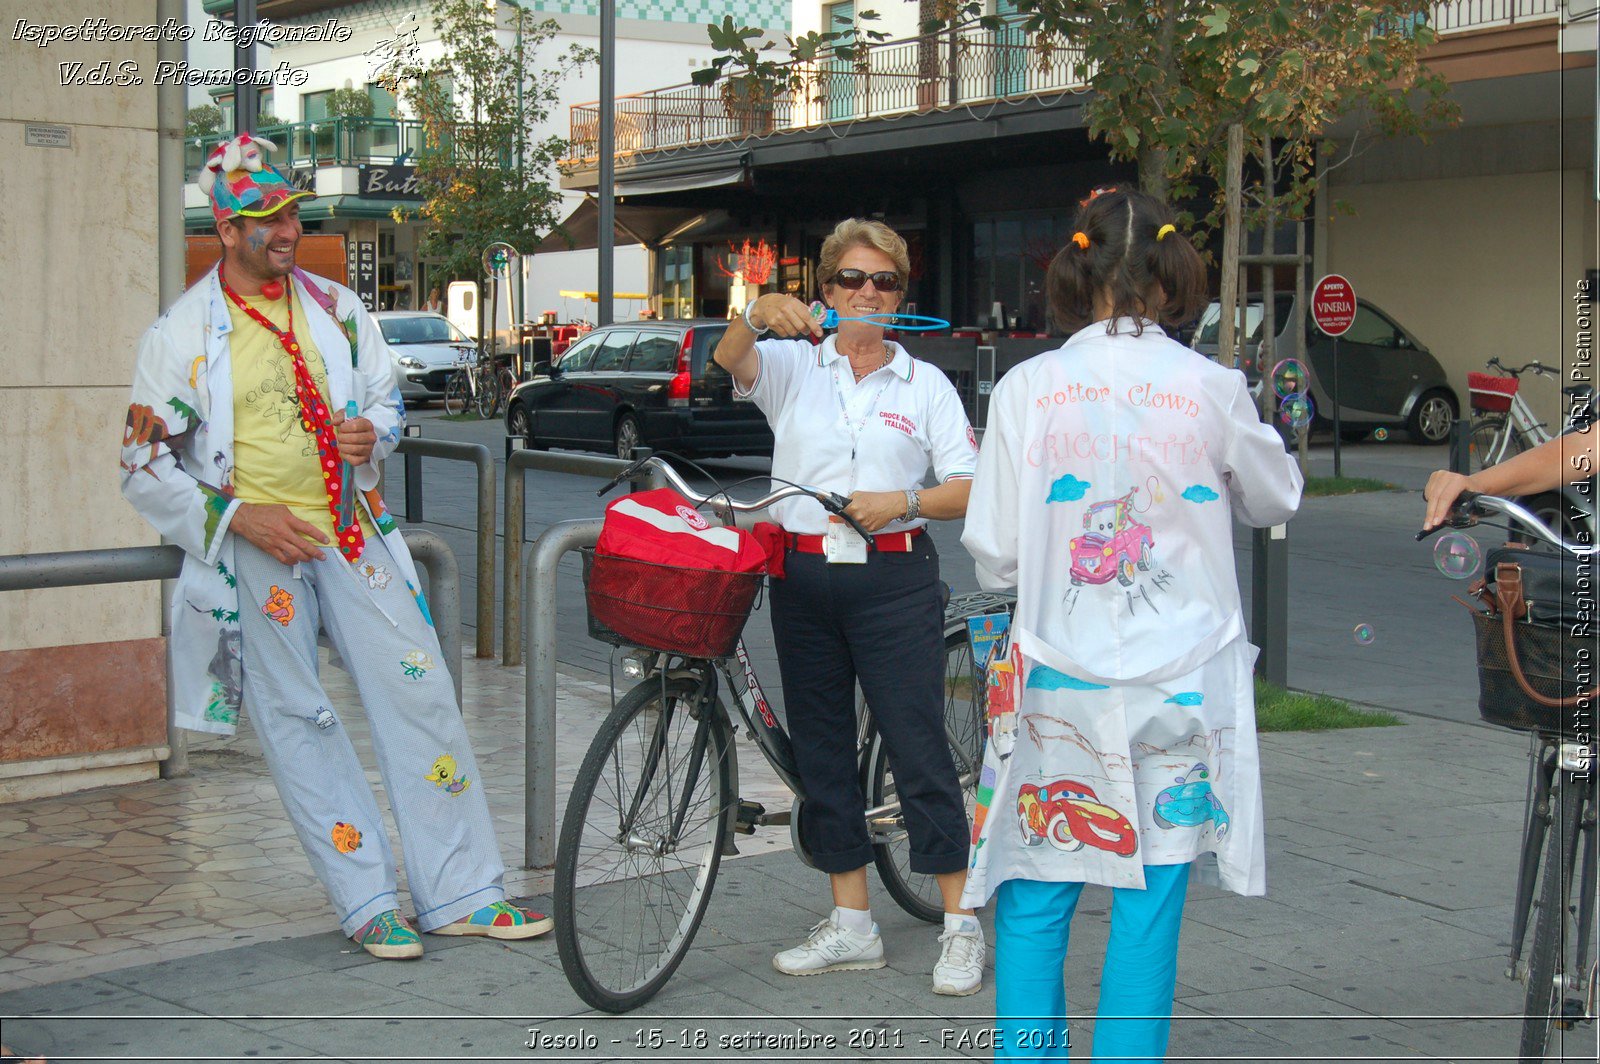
(1170, 76)
(484, 175)
(202, 121)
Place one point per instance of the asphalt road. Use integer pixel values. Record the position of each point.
(1353, 562)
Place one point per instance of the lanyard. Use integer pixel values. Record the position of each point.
(857, 427)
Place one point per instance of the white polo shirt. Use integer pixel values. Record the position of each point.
(835, 433)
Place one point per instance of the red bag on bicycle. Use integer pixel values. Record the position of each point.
(664, 577)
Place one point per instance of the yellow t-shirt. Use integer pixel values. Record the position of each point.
(275, 459)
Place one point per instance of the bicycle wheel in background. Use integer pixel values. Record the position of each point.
(1486, 436)
(641, 842)
(488, 397)
(965, 728)
(1555, 938)
(505, 381)
(457, 393)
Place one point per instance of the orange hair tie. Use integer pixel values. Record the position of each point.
(1081, 239)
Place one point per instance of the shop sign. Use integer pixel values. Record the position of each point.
(362, 262)
(388, 181)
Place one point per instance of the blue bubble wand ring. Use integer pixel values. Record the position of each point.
(829, 318)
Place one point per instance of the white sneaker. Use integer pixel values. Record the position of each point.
(960, 968)
(831, 948)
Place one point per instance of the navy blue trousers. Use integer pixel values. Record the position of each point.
(881, 624)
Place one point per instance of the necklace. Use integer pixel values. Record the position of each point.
(314, 419)
(888, 356)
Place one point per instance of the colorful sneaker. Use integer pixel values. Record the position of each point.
(500, 919)
(960, 968)
(390, 937)
(831, 948)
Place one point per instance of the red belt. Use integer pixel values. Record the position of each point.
(893, 542)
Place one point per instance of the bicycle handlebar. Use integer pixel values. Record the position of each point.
(831, 501)
(1472, 506)
(1536, 366)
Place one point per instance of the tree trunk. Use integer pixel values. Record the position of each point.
(1152, 161)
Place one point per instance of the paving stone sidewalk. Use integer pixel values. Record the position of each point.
(178, 920)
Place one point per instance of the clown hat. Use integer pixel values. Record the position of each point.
(241, 183)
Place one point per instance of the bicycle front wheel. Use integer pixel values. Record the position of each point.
(641, 843)
(1555, 938)
(488, 397)
(916, 892)
(506, 383)
(1494, 440)
(457, 393)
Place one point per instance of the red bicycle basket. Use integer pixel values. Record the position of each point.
(663, 577)
(1491, 394)
(698, 613)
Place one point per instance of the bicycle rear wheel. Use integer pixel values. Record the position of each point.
(457, 393)
(488, 397)
(505, 383)
(965, 728)
(1487, 448)
(1550, 961)
(641, 843)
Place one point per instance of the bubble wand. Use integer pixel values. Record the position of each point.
(829, 318)
(347, 480)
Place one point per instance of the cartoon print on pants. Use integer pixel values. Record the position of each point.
(415, 664)
(377, 576)
(346, 839)
(1114, 543)
(443, 775)
(279, 606)
(1191, 802)
(1071, 815)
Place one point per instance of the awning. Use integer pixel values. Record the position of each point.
(632, 224)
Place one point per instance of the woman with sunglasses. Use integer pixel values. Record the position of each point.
(859, 416)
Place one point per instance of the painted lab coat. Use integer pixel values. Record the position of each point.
(177, 468)
(1122, 715)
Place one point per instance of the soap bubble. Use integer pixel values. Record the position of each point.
(1380, 435)
(1364, 636)
(1457, 556)
(1296, 410)
(1290, 377)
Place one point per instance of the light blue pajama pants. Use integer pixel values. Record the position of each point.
(1032, 921)
(453, 864)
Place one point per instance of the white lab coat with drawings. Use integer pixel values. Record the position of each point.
(1123, 717)
(177, 468)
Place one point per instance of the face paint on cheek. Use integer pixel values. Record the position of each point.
(257, 239)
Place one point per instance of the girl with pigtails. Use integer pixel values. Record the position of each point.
(1105, 492)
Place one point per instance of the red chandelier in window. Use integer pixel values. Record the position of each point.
(754, 262)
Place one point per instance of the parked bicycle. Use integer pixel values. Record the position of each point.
(479, 383)
(1559, 827)
(656, 804)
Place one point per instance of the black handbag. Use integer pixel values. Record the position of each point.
(1536, 641)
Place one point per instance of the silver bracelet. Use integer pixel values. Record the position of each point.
(913, 505)
(750, 324)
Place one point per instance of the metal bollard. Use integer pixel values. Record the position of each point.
(1269, 600)
(413, 479)
(1461, 447)
(433, 555)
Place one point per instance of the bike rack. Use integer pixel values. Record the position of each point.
(414, 449)
(537, 573)
(518, 461)
(117, 565)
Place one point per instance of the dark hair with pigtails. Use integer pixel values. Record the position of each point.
(1125, 243)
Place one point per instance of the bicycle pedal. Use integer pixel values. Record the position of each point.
(749, 812)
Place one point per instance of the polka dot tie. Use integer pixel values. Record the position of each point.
(314, 418)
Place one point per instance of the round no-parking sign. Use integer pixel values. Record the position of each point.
(1333, 304)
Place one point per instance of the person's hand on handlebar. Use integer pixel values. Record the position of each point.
(1441, 492)
(785, 316)
(874, 509)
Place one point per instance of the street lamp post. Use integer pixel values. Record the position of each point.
(608, 131)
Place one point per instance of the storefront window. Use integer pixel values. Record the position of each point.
(676, 267)
(1010, 254)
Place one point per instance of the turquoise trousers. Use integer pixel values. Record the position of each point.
(1032, 921)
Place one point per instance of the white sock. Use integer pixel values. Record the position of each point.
(962, 922)
(857, 920)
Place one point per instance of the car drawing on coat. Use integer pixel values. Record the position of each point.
(1071, 816)
(1114, 544)
(1191, 802)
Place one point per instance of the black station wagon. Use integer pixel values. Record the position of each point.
(648, 383)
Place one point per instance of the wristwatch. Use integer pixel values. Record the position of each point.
(913, 505)
(752, 325)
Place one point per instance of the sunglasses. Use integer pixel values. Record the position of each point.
(855, 280)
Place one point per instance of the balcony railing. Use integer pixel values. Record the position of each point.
(934, 72)
(331, 142)
(1459, 15)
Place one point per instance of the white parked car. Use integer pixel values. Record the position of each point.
(427, 349)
